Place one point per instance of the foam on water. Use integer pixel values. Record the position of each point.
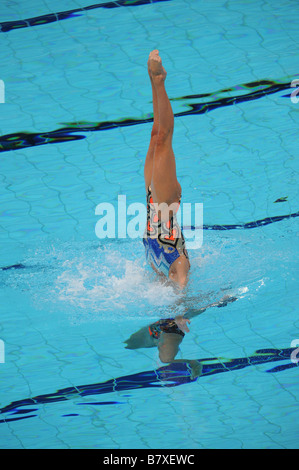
(110, 286)
(87, 281)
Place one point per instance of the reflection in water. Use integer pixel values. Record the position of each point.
(171, 375)
(167, 335)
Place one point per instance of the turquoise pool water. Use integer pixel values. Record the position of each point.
(75, 126)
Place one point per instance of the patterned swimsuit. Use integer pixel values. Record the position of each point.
(164, 326)
(163, 241)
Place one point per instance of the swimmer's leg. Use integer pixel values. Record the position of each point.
(168, 347)
(164, 183)
(141, 339)
(148, 166)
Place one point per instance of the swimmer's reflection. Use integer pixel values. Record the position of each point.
(167, 335)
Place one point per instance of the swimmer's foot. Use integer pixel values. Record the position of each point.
(225, 300)
(196, 369)
(155, 68)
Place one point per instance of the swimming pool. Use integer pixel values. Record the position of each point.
(75, 126)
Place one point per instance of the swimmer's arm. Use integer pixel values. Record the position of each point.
(182, 320)
(182, 323)
(191, 313)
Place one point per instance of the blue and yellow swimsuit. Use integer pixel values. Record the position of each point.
(163, 241)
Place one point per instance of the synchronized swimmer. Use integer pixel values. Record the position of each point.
(163, 238)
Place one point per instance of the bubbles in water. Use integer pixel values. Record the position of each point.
(91, 281)
(109, 282)
(94, 281)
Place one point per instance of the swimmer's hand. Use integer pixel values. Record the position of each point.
(224, 301)
(182, 323)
